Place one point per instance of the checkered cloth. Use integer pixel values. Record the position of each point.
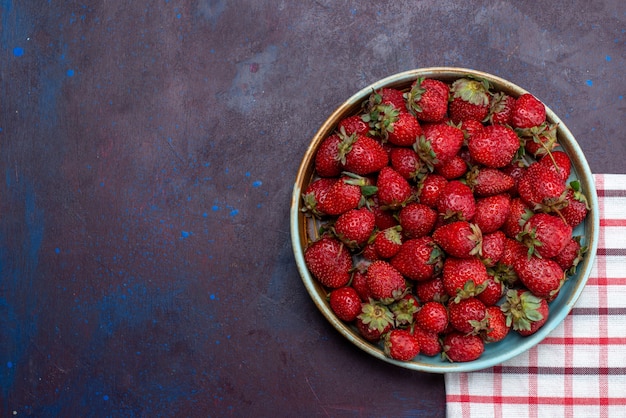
(579, 369)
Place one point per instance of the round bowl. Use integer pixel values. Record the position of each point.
(303, 229)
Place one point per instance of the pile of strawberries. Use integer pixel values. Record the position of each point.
(446, 218)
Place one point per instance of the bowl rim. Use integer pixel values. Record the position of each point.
(591, 225)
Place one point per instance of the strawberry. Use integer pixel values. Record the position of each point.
(504, 272)
(528, 112)
(432, 317)
(545, 235)
(470, 100)
(494, 146)
(493, 248)
(453, 168)
(456, 202)
(384, 216)
(404, 131)
(501, 109)
(459, 347)
(577, 205)
(329, 261)
(542, 276)
(470, 127)
(418, 259)
(488, 181)
(540, 140)
(464, 312)
(439, 143)
(464, 277)
(355, 227)
(559, 162)
(519, 213)
(405, 310)
(314, 193)
(353, 125)
(340, 197)
(374, 320)
(359, 283)
(492, 212)
(401, 345)
(327, 161)
(416, 220)
(525, 312)
(515, 171)
(360, 154)
(406, 162)
(431, 290)
(428, 341)
(428, 99)
(369, 252)
(345, 303)
(570, 256)
(492, 292)
(542, 188)
(384, 281)
(393, 189)
(459, 239)
(430, 188)
(493, 327)
(387, 242)
(387, 97)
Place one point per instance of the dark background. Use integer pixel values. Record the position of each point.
(148, 151)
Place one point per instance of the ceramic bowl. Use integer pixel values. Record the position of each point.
(303, 229)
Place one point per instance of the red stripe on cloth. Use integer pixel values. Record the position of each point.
(602, 341)
(538, 400)
(602, 301)
(613, 222)
(604, 281)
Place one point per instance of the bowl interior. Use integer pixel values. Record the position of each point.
(303, 228)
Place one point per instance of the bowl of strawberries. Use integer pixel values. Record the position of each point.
(444, 219)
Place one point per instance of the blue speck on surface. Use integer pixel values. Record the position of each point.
(9, 364)
(608, 58)
(70, 73)
(212, 296)
(57, 250)
(185, 234)
(18, 51)
(257, 183)
(234, 212)
(589, 83)
(105, 397)
(215, 208)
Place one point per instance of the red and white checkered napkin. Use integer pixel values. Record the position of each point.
(579, 369)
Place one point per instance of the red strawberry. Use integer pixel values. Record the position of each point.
(405, 310)
(327, 160)
(374, 320)
(528, 112)
(431, 290)
(432, 317)
(570, 256)
(384, 281)
(401, 345)
(428, 341)
(387, 242)
(470, 127)
(389, 97)
(545, 235)
(393, 189)
(515, 171)
(463, 313)
(501, 109)
(470, 100)
(492, 212)
(384, 216)
(454, 168)
(494, 146)
(430, 188)
(406, 162)
(559, 162)
(542, 276)
(493, 248)
(314, 194)
(359, 283)
(456, 202)
(416, 220)
(525, 312)
(362, 155)
(459, 239)
(355, 227)
(439, 143)
(519, 213)
(577, 205)
(459, 347)
(329, 261)
(494, 326)
(539, 140)
(418, 259)
(492, 293)
(464, 277)
(340, 197)
(353, 125)
(345, 303)
(541, 188)
(405, 130)
(488, 181)
(428, 99)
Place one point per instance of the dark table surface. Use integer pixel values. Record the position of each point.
(148, 150)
